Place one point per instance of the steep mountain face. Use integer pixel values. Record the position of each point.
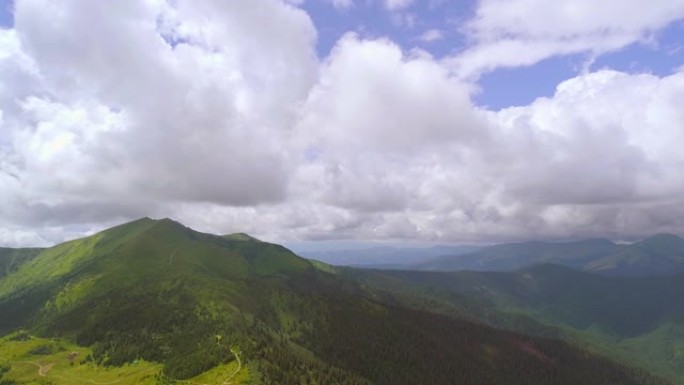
(636, 318)
(158, 291)
(658, 255)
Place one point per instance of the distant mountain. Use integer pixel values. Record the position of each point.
(636, 319)
(513, 256)
(384, 256)
(157, 291)
(658, 255)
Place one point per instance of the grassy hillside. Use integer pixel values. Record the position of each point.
(12, 259)
(187, 305)
(639, 320)
(28, 359)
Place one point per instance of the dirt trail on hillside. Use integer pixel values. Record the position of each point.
(171, 257)
(44, 369)
(229, 380)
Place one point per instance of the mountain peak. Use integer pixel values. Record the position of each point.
(150, 220)
(169, 223)
(244, 237)
(143, 225)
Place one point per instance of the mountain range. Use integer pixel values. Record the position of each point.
(158, 303)
(661, 254)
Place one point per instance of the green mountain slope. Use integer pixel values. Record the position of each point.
(661, 254)
(155, 291)
(638, 319)
(11, 259)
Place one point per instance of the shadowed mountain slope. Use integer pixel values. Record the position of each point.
(638, 319)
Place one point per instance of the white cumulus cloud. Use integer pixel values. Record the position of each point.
(431, 35)
(220, 115)
(511, 33)
(395, 5)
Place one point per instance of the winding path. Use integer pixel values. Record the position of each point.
(42, 369)
(171, 257)
(237, 370)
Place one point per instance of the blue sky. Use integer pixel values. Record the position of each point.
(371, 19)
(5, 13)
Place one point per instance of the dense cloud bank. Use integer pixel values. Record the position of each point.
(220, 114)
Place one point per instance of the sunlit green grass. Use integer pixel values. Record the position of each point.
(57, 369)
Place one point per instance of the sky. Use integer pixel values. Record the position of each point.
(434, 121)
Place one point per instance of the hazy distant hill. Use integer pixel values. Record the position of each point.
(658, 255)
(384, 256)
(156, 291)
